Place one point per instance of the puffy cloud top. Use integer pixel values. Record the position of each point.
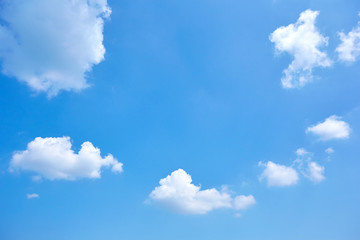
(332, 128)
(177, 192)
(301, 40)
(51, 44)
(53, 158)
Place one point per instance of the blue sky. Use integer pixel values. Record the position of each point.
(189, 85)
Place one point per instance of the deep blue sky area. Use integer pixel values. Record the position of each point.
(193, 85)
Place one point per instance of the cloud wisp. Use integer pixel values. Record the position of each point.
(308, 168)
(302, 41)
(53, 158)
(332, 128)
(177, 193)
(51, 44)
(329, 150)
(32, 195)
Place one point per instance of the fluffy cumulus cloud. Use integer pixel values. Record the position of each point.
(302, 40)
(279, 175)
(177, 193)
(332, 128)
(32, 195)
(349, 49)
(51, 44)
(53, 158)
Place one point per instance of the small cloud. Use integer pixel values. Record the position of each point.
(301, 152)
(308, 168)
(279, 175)
(329, 150)
(315, 172)
(32, 195)
(332, 128)
(243, 202)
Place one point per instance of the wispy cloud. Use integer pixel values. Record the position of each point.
(32, 195)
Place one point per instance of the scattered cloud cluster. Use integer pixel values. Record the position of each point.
(281, 175)
(32, 195)
(53, 158)
(177, 193)
(349, 49)
(51, 44)
(302, 40)
(332, 128)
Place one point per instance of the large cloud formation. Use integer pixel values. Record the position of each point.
(53, 158)
(177, 193)
(349, 49)
(51, 44)
(302, 40)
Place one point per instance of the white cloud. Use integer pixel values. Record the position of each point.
(332, 128)
(279, 175)
(302, 40)
(308, 168)
(243, 202)
(349, 49)
(315, 172)
(301, 152)
(53, 158)
(329, 150)
(177, 192)
(51, 44)
(32, 195)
